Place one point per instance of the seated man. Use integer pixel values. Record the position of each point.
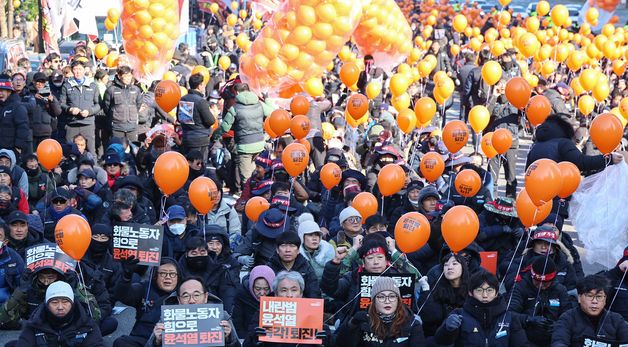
(590, 319)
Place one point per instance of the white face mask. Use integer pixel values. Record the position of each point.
(414, 203)
(58, 84)
(177, 229)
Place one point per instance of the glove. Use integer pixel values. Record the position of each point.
(540, 322)
(518, 233)
(246, 260)
(26, 282)
(424, 285)
(359, 317)
(506, 229)
(128, 267)
(453, 322)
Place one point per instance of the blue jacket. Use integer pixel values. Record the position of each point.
(11, 268)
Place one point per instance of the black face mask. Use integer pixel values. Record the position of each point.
(198, 262)
(507, 64)
(98, 247)
(32, 172)
(4, 204)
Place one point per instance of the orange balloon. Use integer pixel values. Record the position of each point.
(606, 131)
(391, 179)
(528, 213)
(432, 166)
(295, 158)
(299, 105)
(357, 106)
(349, 73)
(468, 183)
(518, 92)
(406, 120)
(479, 118)
(455, 135)
(502, 140)
(330, 175)
(73, 235)
(203, 194)
(543, 181)
(279, 121)
(412, 232)
(571, 178)
(255, 206)
(268, 130)
(300, 126)
(366, 204)
(425, 109)
(305, 143)
(487, 145)
(171, 172)
(49, 153)
(167, 95)
(101, 50)
(460, 227)
(538, 109)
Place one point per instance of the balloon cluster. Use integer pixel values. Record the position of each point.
(150, 29)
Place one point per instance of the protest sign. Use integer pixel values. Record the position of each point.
(48, 256)
(590, 341)
(405, 283)
(143, 241)
(291, 320)
(489, 261)
(192, 325)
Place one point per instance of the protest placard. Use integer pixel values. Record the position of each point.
(143, 241)
(590, 341)
(48, 256)
(405, 283)
(192, 325)
(291, 320)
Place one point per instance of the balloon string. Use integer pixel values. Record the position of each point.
(203, 222)
(150, 280)
(272, 168)
(623, 277)
(285, 218)
(82, 280)
(162, 213)
(561, 203)
(430, 292)
(513, 257)
(449, 182)
(538, 292)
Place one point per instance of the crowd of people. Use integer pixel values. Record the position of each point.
(310, 242)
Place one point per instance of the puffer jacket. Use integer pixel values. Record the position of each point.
(226, 217)
(84, 96)
(16, 132)
(246, 119)
(359, 333)
(619, 288)
(319, 258)
(121, 104)
(504, 116)
(19, 178)
(565, 273)
(556, 100)
(42, 119)
(302, 266)
(198, 133)
(574, 325)
(11, 267)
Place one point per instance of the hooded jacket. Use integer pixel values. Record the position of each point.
(16, 131)
(484, 325)
(361, 335)
(81, 330)
(302, 266)
(19, 178)
(574, 325)
(83, 96)
(226, 217)
(11, 268)
(565, 273)
(121, 104)
(319, 258)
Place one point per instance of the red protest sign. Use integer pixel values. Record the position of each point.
(291, 320)
(489, 261)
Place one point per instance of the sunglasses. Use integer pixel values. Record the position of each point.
(59, 201)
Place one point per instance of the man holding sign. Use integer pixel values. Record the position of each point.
(192, 292)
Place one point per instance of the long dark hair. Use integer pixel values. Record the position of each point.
(381, 329)
(444, 292)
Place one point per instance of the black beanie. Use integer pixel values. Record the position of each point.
(288, 238)
(539, 264)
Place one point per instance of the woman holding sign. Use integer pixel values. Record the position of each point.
(388, 322)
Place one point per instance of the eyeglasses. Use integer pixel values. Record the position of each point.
(480, 291)
(167, 274)
(383, 298)
(354, 220)
(59, 201)
(597, 297)
(185, 297)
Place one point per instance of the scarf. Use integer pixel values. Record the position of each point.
(111, 179)
(387, 318)
(56, 216)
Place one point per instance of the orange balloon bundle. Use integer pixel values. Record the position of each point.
(298, 43)
(150, 29)
(383, 33)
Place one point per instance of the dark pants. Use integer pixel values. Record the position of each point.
(88, 132)
(131, 136)
(129, 341)
(510, 170)
(245, 163)
(318, 151)
(108, 325)
(37, 140)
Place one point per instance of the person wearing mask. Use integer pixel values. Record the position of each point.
(483, 319)
(18, 177)
(195, 118)
(20, 236)
(38, 182)
(47, 108)
(9, 199)
(221, 278)
(590, 319)
(540, 301)
(247, 298)
(146, 297)
(288, 258)
(176, 232)
(449, 294)
(80, 102)
(619, 286)
(60, 205)
(11, 266)
(99, 258)
(316, 251)
(121, 104)
(60, 320)
(192, 292)
(410, 203)
(16, 132)
(259, 243)
(245, 118)
(18, 196)
(500, 229)
(388, 321)
(88, 185)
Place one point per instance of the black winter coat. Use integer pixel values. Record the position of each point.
(436, 310)
(80, 331)
(565, 273)
(556, 100)
(42, 119)
(110, 270)
(244, 309)
(360, 334)
(301, 265)
(84, 97)
(620, 289)
(197, 134)
(484, 325)
(121, 104)
(574, 325)
(16, 131)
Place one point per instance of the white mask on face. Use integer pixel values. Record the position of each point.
(177, 229)
(414, 203)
